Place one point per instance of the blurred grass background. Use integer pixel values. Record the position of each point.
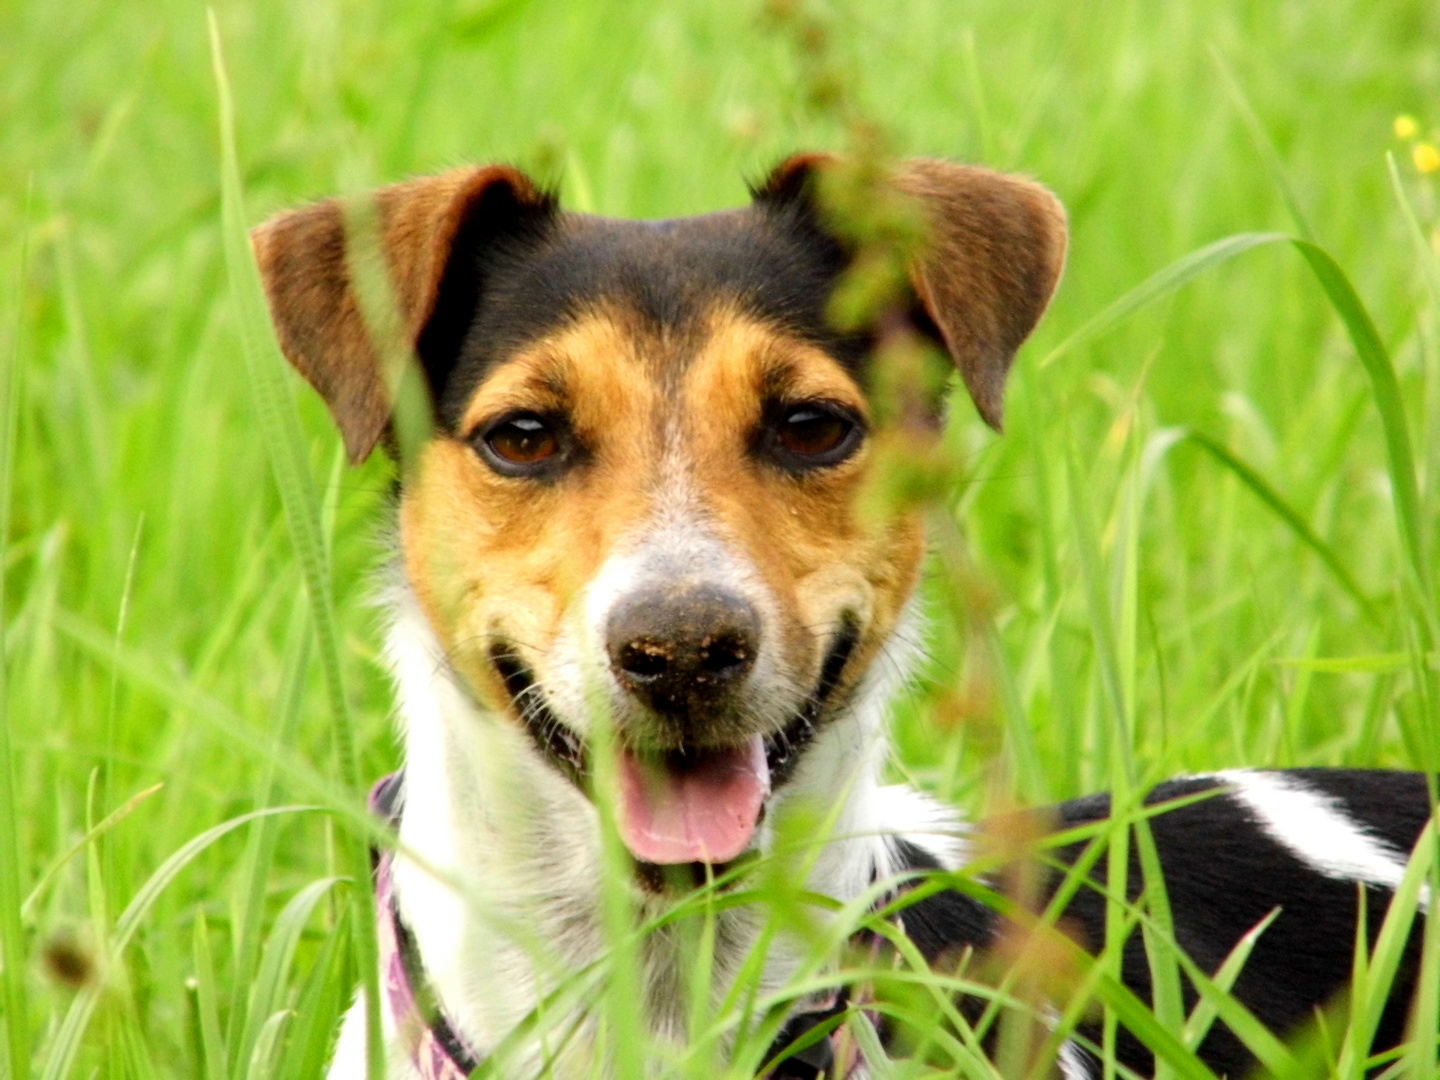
(146, 531)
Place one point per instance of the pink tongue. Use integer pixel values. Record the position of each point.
(703, 813)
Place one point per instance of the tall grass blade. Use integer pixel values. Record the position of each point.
(323, 997)
(1386, 390)
(1379, 970)
(212, 1044)
(260, 850)
(267, 1046)
(236, 731)
(1113, 733)
(1420, 1060)
(1134, 1014)
(873, 1053)
(1258, 1039)
(1264, 146)
(1368, 347)
(1283, 510)
(107, 779)
(1207, 1009)
(1102, 621)
(66, 1043)
(267, 995)
(280, 427)
(12, 932)
(1161, 950)
(1424, 253)
(1161, 283)
(1158, 932)
(119, 814)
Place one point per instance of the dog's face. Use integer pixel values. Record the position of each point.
(642, 497)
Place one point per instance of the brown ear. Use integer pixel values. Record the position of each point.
(993, 252)
(303, 264)
(992, 249)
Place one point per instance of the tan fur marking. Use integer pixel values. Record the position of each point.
(805, 535)
(498, 557)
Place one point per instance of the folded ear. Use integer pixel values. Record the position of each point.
(992, 249)
(423, 228)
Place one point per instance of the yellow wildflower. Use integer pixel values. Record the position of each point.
(1426, 157)
(1406, 126)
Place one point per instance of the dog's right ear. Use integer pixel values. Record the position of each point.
(431, 232)
(992, 250)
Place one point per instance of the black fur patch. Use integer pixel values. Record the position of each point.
(947, 920)
(1223, 875)
(512, 281)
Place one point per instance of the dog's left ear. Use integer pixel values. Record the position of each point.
(433, 233)
(991, 256)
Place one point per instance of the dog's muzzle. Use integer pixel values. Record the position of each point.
(694, 770)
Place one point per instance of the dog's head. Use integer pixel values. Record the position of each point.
(650, 440)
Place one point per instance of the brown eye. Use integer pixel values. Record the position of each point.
(811, 436)
(522, 444)
(811, 431)
(524, 440)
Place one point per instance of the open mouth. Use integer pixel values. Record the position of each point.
(686, 806)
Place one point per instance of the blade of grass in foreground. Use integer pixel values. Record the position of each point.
(1385, 389)
(280, 427)
(12, 940)
(249, 900)
(1358, 325)
(322, 999)
(1383, 963)
(267, 995)
(1276, 502)
(1425, 1012)
(1424, 254)
(1161, 283)
(66, 1043)
(212, 1046)
(1264, 146)
(119, 814)
(1207, 1009)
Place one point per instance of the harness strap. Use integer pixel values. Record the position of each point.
(435, 1047)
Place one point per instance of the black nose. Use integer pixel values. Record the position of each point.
(683, 652)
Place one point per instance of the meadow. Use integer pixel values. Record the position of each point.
(1206, 539)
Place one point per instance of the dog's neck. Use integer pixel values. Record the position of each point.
(484, 808)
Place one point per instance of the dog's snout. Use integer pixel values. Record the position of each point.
(682, 652)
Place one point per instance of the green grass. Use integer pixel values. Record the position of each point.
(1206, 539)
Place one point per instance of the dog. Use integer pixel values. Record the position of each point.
(643, 495)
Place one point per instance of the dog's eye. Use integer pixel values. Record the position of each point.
(523, 440)
(810, 431)
(521, 444)
(813, 435)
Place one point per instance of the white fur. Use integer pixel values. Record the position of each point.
(1315, 828)
(1074, 1065)
(678, 546)
(521, 845)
